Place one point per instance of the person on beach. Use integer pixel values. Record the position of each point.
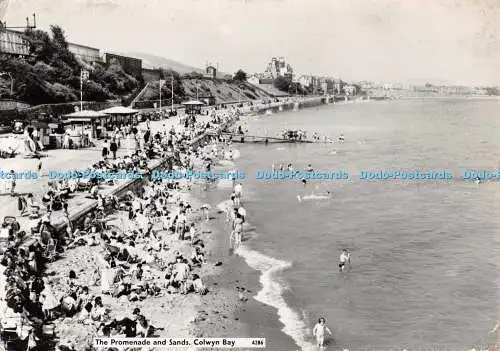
(345, 259)
(206, 211)
(238, 190)
(319, 332)
(105, 150)
(12, 176)
(39, 165)
(113, 147)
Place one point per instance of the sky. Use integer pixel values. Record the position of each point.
(387, 41)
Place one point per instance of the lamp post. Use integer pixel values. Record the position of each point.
(160, 93)
(84, 76)
(11, 81)
(172, 90)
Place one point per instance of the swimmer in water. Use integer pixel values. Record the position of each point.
(304, 181)
(478, 180)
(341, 138)
(309, 168)
(319, 331)
(345, 259)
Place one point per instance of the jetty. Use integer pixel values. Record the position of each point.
(244, 138)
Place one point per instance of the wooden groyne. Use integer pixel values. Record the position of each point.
(244, 138)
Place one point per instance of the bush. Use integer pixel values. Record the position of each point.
(282, 83)
(52, 73)
(240, 76)
(61, 93)
(95, 92)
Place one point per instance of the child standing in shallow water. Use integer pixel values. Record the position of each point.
(319, 332)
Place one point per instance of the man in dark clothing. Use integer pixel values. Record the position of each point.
(105, 150)
(113, 147)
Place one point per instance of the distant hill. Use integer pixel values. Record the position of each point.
(153, 61)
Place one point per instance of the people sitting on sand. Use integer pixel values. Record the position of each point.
(198, 256)
(198, 285)
(144, 245)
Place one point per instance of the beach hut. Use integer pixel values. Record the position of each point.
(193, 107)
(120, 114)
(92, 119)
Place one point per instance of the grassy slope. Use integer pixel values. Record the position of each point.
(221, 90)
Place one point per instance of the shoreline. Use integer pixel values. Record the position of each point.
(255, 316)
(224, 312)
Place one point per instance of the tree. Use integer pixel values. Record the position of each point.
(282, 83)
(52, 73)
(240, 76)
(193, 75)
(58, 37)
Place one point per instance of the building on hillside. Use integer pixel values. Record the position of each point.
(366, 85)
(85, 53)
(13, 43)
(253, 79)
(150, 75)
(279, 68)
(207, 98)
(338, 86)
(306, 81)
(131, 65)
(350, 90)
(479, 91)
(210, 72)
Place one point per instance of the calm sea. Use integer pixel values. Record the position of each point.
(424, 253)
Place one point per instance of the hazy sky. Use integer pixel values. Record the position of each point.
(448, 41)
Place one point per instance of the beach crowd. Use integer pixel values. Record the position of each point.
(125, 250)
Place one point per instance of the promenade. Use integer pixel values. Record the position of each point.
(64, 160)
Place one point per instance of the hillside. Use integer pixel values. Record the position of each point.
(185, 89)
(153, 61)
(51, 74)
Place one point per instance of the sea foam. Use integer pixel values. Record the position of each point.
(272, 294)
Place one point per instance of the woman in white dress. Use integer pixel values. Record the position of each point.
(49, 300)
(319, 332)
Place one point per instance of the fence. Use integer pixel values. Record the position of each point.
(9, 105)
(151, 103)
(66, 108)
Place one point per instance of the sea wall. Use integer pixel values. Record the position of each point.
(290, 105)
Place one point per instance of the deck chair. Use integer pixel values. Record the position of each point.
(9, 329)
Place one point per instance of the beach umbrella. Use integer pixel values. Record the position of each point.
(206, 206)
(242, 211)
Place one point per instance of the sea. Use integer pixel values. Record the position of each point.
(425, 253)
